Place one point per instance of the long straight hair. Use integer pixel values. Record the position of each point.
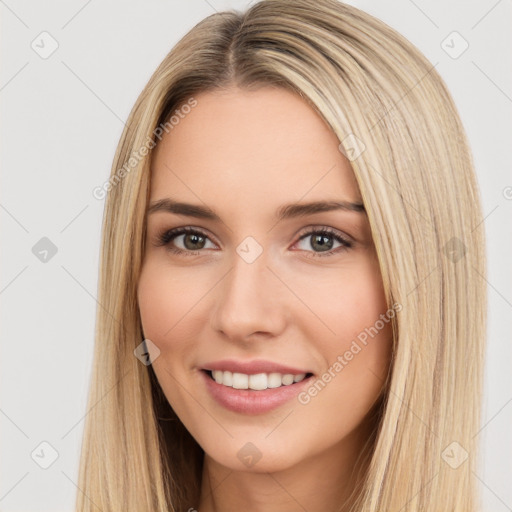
(398, 126)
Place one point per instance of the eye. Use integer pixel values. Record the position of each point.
(190, 241)
(322, 240)
(184, 240)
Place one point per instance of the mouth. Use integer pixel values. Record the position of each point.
(255, 393)
(256, 381)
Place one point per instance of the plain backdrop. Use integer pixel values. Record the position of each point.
(61, 118)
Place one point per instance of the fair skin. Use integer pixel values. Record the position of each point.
(243, 155)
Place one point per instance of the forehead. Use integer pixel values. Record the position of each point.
(265, 146)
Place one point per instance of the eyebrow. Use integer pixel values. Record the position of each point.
(286, 211)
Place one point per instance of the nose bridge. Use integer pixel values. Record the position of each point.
(247, 301)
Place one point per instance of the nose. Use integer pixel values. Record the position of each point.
(249, 303)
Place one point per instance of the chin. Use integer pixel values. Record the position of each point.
(257, 456)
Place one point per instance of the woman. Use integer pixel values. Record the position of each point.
(292, 312)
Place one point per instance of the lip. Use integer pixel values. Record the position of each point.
(252, 367)
(248, 401)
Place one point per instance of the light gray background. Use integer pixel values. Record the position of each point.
(61, 120)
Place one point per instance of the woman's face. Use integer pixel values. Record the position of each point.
(258, 288)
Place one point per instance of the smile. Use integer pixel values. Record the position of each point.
(255, 382)
(257, 391)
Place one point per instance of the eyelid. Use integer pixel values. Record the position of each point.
(175, 232)
(313, 228)
(346, 242)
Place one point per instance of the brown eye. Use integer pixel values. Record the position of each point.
(323, 241)
(192, 242)
(184, 240)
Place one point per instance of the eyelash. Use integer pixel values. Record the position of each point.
(166, 237)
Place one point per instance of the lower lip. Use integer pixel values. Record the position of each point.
(249, 401)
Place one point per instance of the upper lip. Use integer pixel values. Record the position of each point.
(252, 367)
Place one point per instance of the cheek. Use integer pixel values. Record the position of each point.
(164, 303)
(154, 298)
(357, 342)
(167, 296)
(346, 300)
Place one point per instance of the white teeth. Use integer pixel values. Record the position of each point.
(227, 379)
(240, 381)
(274, 380)
(257, 382)
(287, 379)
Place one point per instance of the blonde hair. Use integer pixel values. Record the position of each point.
(381, 96)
